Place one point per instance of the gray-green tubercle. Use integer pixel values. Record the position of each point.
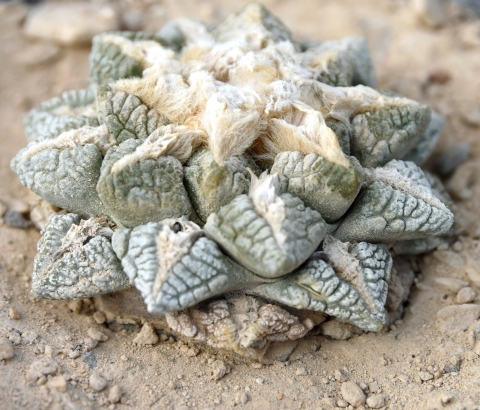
(204, 160)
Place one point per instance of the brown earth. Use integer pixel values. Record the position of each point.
(425, 361)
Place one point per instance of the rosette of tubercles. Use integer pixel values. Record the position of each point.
(209, 159)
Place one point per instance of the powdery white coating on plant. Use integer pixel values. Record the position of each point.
(206, 160)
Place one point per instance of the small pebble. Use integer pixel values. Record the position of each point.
(89, 344)
(43, 380)
(376, 401)
(58, 383)
(301, 371)
(19, 206)
(257, 365)
(242, 398)
(219, 369)
(451, 284)
(457, 246)
(342, 404)
(425, 376)
(465, 295)
(99, 317)
(97, 335)
(352, 394)
(115, 394)
(457, 318)
(41, 367)
(15, 219)
(259, 381)
(75, 305)
(74, 354)
(339, 376)
(432, 13)
(446, 398)
(6, 349)
(146, 336)
(97, 382)
(13, 314)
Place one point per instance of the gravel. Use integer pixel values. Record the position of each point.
(15, 219)
(115, 394)
(465, 295)
(376, 401)
(97, 335)
(453, 319)
(6, 349)
(97, 382)
(352, 394)
(58, 383)
(73, 23)
(146, 336)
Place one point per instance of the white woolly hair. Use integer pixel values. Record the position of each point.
(73, 138)
(265, 195)
(177, 141)
(249, 89)
(173, 246)
(138, 50)
(343, 103)
(232, 120)
(303, 129)
(173, 97)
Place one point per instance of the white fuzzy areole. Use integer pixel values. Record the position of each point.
(138, 50)
(248, 87)
(303, 129)
(85, 111)
(232, 121)
(171, 247)
(265, 195)
(72, 138)
(344, 103)
(177, 141)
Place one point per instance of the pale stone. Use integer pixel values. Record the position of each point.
(376, 401)
(115, 394)
(452, 319)
(97, 382)
(473, 272)
(71, 23)
(58, 383)
(336, 329)
(451, 284)
(352, 394)
(6, 349)
(465, 295)
(97, 335)
(41, 367)
(146, 336)
(431, 12)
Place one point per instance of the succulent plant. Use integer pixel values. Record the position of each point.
(204, 160)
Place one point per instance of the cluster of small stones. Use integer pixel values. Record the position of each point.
(233, 162)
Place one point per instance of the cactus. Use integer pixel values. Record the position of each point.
(205, 160)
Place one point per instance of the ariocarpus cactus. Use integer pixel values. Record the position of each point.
(204, 160)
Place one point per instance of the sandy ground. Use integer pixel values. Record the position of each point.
(422, 362)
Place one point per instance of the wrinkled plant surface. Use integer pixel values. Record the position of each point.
(211, 162)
